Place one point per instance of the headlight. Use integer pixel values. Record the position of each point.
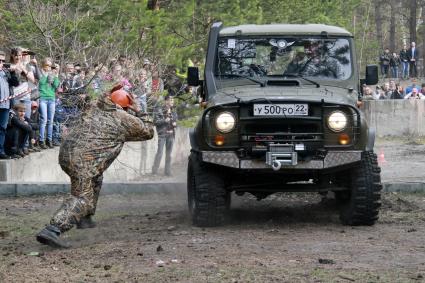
(225, 122)
(337, 121)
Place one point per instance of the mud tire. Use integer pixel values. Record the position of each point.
(364, 201)
(208, 199)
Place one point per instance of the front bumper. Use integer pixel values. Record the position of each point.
(331, 159)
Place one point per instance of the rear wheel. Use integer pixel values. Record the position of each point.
(208, 199)
(361, 205)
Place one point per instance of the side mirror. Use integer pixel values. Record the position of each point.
(372, 75)
(193, 76)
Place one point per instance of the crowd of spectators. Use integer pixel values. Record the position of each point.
(400, 65)
(393, 90)
(39, 102)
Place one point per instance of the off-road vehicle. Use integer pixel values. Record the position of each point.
(281, 115)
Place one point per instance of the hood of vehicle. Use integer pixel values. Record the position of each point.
(249, 93)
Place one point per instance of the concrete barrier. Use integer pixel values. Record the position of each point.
(398, 118)
(134, 162)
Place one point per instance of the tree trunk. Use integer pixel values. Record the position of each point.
(378, 21)
(423, 40)
(412, 25)
(393, 25)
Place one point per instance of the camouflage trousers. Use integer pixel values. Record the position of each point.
(82, 203)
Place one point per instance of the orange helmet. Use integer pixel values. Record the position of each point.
(121, 97)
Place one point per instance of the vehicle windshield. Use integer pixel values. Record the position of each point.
(284, 57)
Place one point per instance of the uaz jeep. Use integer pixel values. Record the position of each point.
(281, 115)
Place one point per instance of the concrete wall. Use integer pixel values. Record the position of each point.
(132, 164)
(396, 117)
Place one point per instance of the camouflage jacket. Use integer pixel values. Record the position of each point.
(98, 137)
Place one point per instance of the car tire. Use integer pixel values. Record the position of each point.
(363, 203)
(207, 196)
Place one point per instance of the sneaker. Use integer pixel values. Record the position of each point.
(56, 143)
(51, 236)
(86, 222)
(26, 151)
(4, 156)
(15, 156)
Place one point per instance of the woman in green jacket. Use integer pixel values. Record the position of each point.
(47, 86)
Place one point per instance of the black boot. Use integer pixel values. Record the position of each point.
(86, 222)
(49, 143)
(42, 145)
(51, 236)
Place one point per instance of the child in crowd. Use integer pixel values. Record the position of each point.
(19, 131)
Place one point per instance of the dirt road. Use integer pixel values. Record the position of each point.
(148, 238)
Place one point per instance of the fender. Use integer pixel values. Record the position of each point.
(370, 140)
(192, 138)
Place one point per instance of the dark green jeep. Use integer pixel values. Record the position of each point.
(281, 116)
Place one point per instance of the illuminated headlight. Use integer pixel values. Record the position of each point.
(337, 121)
(225, 122)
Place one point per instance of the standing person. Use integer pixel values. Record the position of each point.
(25, 76)
(68, 78)
(165, 119)
(384, 61)
(394, 63)
(8, 79)
(404, 58)
(86, 152)
(48, 84)
(413, 55)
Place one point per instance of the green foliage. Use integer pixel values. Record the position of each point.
(78, 30)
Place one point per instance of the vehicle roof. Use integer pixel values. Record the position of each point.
(285, 29)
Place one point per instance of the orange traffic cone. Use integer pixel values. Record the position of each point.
(381, 158)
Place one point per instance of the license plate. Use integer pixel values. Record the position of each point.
(280, 109)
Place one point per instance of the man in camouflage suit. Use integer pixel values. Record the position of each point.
(86, 152)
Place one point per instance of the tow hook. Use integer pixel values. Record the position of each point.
(276, 165)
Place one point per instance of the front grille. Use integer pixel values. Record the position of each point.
(261, 131)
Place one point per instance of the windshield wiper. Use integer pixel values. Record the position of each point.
(301, 77)
(260, 82)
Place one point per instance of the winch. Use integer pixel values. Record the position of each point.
(280, 155)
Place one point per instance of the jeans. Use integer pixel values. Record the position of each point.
(4, 119)
(405, 65)
(47, 113)
(394, 71)
(168, 141)
(384, 70)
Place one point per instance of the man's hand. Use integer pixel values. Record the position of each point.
(146, 118)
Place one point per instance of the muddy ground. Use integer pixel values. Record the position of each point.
(285, 238)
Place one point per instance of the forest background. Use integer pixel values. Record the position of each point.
(170, 32)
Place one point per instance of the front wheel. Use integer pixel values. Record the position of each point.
(207, 195)
(361, 205)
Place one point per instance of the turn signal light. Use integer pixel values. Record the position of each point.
(219, 140)
(344, 139)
